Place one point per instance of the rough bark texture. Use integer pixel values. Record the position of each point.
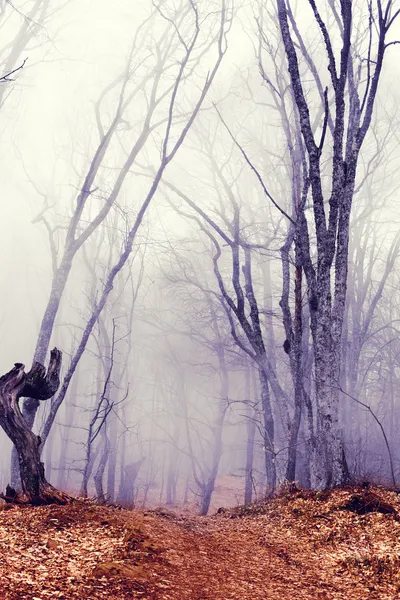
(294, 339)
(40, 385)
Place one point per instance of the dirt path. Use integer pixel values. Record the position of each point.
(302, 546)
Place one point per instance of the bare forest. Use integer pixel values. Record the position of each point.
(200, 234)
(200, 218)
(200, 285)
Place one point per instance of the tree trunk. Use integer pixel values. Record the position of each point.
(127, 487)
(269, 431)
(297, 372)
(328, 470)
(206, 494)
(208, 487)
(251, 434)
(98, 478)
(31, 405)
(94, 429)
(90, 459)
(39, 385)
(172, 473)
(48, 461)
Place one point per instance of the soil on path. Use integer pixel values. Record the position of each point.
(305, 545)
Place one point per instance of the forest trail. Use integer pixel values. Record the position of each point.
(303, 545)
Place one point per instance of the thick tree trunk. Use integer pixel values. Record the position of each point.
(328, 459)
(297, 372)
(41, 386)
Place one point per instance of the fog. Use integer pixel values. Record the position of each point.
(198, 381)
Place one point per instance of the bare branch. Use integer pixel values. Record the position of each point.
(8, 75)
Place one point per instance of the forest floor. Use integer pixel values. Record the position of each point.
(343, 544)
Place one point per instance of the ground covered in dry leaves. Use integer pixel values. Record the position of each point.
(305, 545)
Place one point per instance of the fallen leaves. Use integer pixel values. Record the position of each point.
(309, 545)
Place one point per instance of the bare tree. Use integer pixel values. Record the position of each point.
(39, 384)
(347, 118)
(238, 298)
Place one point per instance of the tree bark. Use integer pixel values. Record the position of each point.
(40, 385)
(269, 431)
(208, 488)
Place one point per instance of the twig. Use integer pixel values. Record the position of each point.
(381, 427)
(252, 167)
(6, 77)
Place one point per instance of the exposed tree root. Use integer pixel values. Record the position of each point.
(49, 495)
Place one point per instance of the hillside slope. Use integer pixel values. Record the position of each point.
(306, 545)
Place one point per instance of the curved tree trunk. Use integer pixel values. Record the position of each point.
(39, 385)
